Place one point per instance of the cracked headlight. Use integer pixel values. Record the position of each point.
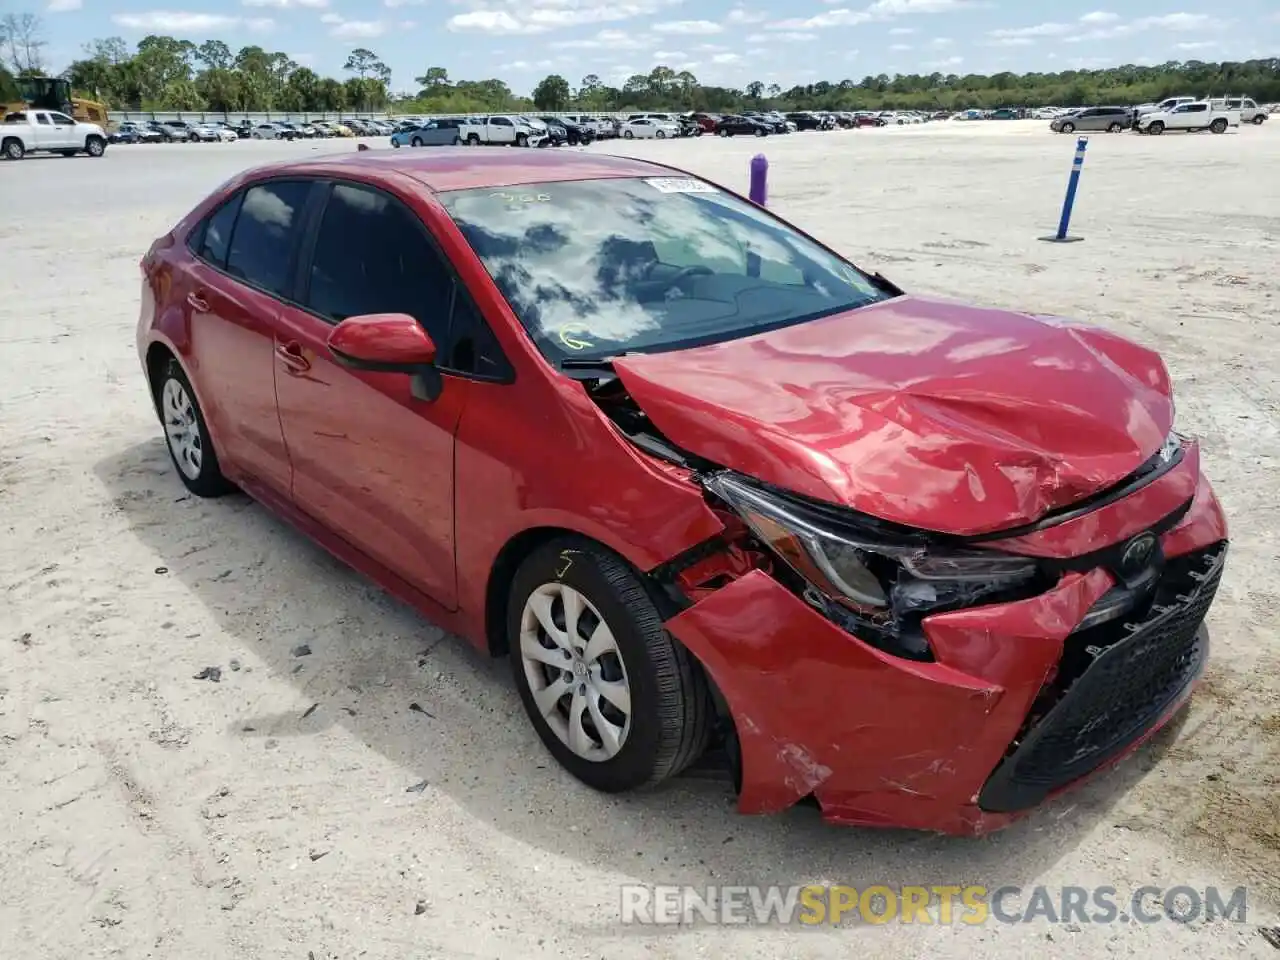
(886, 581)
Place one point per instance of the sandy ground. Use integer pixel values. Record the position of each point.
(144, 813)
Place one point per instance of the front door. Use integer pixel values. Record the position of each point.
(370, 461)
(234, 287)
(64, 131)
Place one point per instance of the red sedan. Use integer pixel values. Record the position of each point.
(706, 481)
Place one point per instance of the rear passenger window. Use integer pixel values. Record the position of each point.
(262, 243)
(213, 240)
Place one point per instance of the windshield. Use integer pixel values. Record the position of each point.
(594, 268)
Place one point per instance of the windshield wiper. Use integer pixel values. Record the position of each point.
(594, 363)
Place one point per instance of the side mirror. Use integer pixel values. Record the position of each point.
(388, 343)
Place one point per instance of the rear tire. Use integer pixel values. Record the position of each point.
(607, 646)
(473, 140)
(187, 434)
(1218, 126)
(13, 149)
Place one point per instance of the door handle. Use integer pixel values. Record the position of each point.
(293, 357)
(198, 303)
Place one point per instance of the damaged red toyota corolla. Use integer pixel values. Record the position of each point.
(707, 482)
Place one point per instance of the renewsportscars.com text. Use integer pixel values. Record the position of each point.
(972, 905)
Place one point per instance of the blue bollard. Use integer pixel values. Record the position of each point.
(1069, 200)
(759, 192)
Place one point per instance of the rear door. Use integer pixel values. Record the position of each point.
(234, 288)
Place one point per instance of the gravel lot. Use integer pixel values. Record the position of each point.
(144, 813)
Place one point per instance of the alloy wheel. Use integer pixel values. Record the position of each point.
(575, 672)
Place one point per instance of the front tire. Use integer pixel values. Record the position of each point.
(1155, 127)
(95, 146)
(614, 698)
(187, 435)
(661, 134)
(1114, 128)
(628, 135)
(1068, 128)
(1258, 119)
(415, 142)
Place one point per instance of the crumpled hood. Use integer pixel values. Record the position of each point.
(928, 413)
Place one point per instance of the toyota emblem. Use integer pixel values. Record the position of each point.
(1137, 552)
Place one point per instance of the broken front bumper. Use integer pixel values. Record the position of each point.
(1018, 704)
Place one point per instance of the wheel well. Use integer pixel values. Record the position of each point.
(158, 358)
(497, 593)
(504, 568)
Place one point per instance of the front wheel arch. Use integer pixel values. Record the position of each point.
(508, 560)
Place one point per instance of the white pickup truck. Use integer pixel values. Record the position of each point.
(29, 131)
(1197, 115)
(504, 130)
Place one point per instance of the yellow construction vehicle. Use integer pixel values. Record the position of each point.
(54, 93)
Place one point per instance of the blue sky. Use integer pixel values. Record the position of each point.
(720, 41)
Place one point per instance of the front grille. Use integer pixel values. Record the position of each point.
(1113, 682)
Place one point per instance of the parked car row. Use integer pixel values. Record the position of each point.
(1175, 113)
(214, 131)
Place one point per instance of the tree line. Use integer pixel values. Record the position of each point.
(165, 73)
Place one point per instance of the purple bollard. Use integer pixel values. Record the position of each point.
(759, 193)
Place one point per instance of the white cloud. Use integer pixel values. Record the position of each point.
(789, 36)
(607, 39)
(540, 16)
(1099, 16)
(667, 55)
(185, 22)
(1172, 22)
(699, 27)
(1196, 45)
(491, 21)
(740, 15)
(725, 58)
(843, 17)
(1013, 42)
(946, 64)
(900, 46)
(63, 6)
(403, 3)
(897, 8)
(937, 42)
(901, 31)
(287, 4)
(344, 29)
(1039, 30)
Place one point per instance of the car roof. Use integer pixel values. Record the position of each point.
(462, 168)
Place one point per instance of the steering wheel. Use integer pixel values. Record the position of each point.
(696, 270)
